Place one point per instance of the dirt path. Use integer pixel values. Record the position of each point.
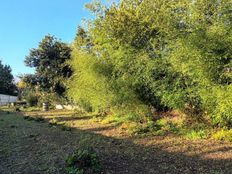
(28, 147)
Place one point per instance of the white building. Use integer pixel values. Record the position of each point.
(5, 99)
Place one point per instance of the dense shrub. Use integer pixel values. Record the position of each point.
(164, 54)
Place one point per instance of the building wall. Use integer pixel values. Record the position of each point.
(5, 99)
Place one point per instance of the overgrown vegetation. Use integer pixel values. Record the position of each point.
(140, 67)
(139, 56)
(84, 160)
(139, 59)
(48, 84)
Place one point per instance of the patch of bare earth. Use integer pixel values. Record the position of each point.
(30, 147)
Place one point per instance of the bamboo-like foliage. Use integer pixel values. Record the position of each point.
(160, 53)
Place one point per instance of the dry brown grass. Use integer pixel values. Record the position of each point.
(33, 147)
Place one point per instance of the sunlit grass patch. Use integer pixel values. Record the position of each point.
(53, 122)
(196, 134)
(32, 109)
(177, 124)
(51, 113)
(225, 135)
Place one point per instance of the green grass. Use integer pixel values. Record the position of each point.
(223, 135)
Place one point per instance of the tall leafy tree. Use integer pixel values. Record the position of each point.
(49, 61)
(7, 85)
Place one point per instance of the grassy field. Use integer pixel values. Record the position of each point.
(42, 144)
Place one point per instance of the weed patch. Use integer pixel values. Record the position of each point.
(166, 126)
(196, 134)
(65, 127)
(28, 118)
(158, 127)
(53, 122)
(37, 119)
(225, 135)
(84, 160)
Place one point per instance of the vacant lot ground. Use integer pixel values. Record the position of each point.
(30, 147)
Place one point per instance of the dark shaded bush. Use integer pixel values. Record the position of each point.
(31, 99)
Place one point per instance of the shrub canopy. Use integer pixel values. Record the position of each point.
(159, 53)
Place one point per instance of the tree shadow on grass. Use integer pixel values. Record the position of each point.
(122, 156)
(125, 156)
(130, 155)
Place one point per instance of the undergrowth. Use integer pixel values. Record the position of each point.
(180, 125)
(37, 119)
(223, 134)
(83, 160)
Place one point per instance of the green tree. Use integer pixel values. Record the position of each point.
(49, 61)
(7, 85)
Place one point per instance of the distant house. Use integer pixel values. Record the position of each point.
(5, 99)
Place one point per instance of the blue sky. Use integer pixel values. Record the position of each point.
(23, 23)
